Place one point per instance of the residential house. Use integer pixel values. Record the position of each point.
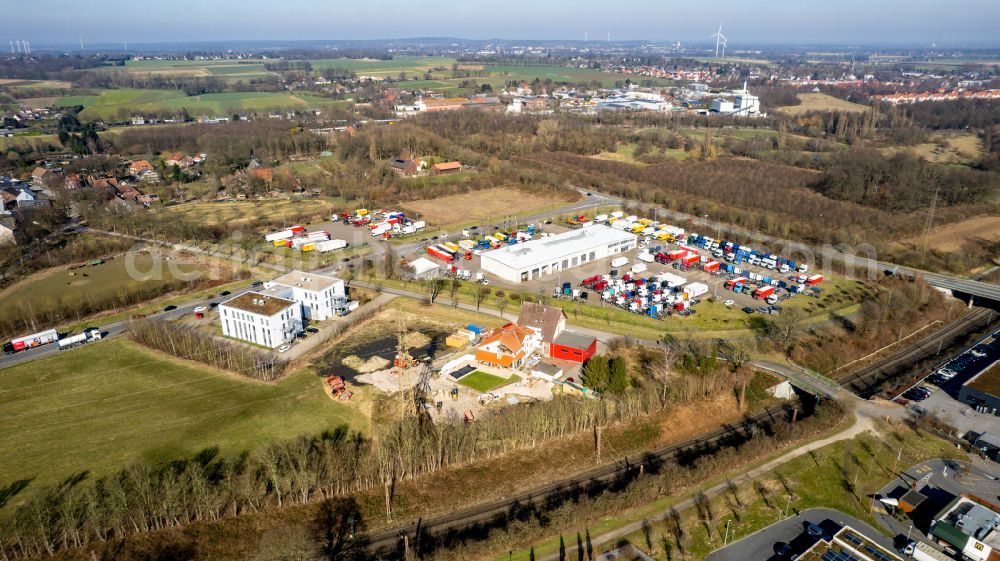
(8, 226)
(136, 168)
(129, 193)
(21, 196)
(508, 346)
(180, 160)
(73, 181)
(6, 133)
(550, 321)
(41, 175)
(138, 120)
(148, 176)
(446, 168)
(406, 168)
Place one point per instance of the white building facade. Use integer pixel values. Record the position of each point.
(548, 256)
(261, 319)
(320, 296)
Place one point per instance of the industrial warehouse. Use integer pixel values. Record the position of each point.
(548, 256)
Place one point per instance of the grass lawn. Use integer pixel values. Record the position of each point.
(107, 103)
(815, 101)
(98, 408)
(823, 478)
(483, 382)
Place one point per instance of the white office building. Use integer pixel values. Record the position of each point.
(321, 297)
(548, 256)
(261, 319)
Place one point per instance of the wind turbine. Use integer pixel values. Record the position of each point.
(27, 47)
(720, 40)
(11, 47)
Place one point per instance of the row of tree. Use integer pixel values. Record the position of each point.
(190, 343)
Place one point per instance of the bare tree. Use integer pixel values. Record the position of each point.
(434, 288)
(482, 291)
(453, 287)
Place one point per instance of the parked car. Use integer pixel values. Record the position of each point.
(170, 308)
(225, 293)
(256, 283)
(199, 309)
(284, 348)
(312, 330)
(748, 310)
(728, 303)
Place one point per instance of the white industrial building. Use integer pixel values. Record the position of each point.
(548, 256)
(261, 319)
(723, 106)
(321, 297)
(746, 104)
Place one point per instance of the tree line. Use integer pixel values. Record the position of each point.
(190, 343)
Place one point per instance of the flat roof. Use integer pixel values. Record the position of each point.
(987, 381)
(258, 303)
(546, 250)
(307, 281)
(574, 340)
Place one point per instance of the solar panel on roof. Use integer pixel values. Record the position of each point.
(877, 554)
(838, 556)
(852, 538)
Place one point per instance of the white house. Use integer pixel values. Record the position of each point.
(261, 319)
(321, 297)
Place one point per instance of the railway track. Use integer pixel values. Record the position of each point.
(866, 381)
(389, 541)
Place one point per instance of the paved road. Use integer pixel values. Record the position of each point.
(760, 545)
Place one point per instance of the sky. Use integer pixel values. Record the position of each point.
(840, 22)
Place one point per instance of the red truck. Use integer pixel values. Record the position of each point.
(763, 292)
(711, 266)
(814, 280)
(731, 284)
(441, 253)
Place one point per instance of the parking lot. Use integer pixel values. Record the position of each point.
(550, 285)
(938, 392)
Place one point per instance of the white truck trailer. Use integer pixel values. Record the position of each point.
(88, 335)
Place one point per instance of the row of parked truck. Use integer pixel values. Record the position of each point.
(50, 336)
(451, 252)
(297, 237)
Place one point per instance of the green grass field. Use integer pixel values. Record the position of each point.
(98, 408)
(483, 382)
(107, 103)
